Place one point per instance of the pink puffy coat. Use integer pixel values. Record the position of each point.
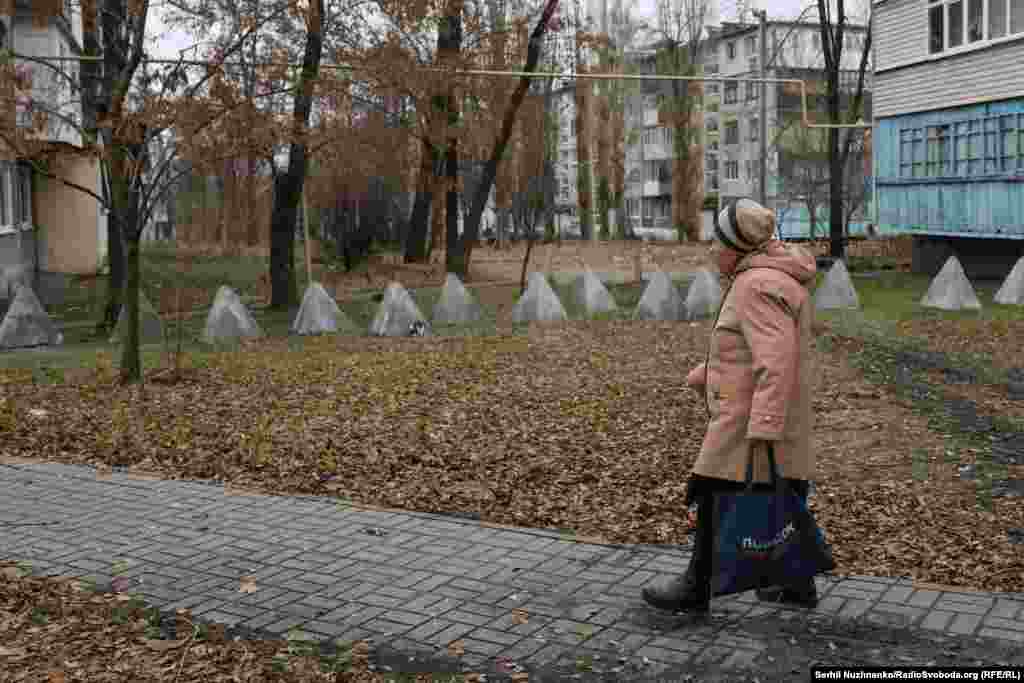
(757, 379)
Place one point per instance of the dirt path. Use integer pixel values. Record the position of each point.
(492, 265)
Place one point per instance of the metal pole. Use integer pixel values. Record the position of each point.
(874, 147)
(762, 192)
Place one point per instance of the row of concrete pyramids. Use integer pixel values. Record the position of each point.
(27, 324)
(949, 290)
(397, 312)
(660, 301)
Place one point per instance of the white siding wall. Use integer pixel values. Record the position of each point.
(901, 32)
(995, 73)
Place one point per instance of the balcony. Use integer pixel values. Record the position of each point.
(658, 150)
(657, 188)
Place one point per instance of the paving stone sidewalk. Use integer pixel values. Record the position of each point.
(416, 582)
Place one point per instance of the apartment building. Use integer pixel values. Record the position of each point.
(949, 130)
(46, 227)
(730, 121)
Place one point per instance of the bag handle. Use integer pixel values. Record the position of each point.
(776, 480)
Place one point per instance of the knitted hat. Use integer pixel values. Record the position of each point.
(744, 225)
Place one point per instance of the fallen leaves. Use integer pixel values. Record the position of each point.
(526, 431)
(85, 641)
(247, 584)
(164, 645)
(520, 616)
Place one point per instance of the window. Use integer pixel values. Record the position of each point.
(753, 91)
(1012, 144)
(711, 88)
(712, 125)
(955, 23)
(936, 28)
(15, 196)
(938, 156)
(24, 180)
(975, 17)
(751, 45)
(732, 133)
(992, 140)
(816, 40)
(996, 19)
(755, 129)
(656, 136)
(981, 146)
(969, 144)
(731, 89)
(657, 170)
(730, 51)
(732, 170)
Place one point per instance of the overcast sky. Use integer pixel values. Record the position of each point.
(167, 43)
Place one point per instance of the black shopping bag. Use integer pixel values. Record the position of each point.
(765, 538)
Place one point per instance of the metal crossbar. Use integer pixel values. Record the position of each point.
(515, 74)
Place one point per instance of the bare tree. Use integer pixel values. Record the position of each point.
(127, 109)
(623, 30)
(833, 23)
(460, 260)
(681, 24)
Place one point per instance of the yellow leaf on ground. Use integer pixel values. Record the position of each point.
(456, 648)
(247, 584)
(56, 677)
(520, 616)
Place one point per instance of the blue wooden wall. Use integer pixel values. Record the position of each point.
(990, 205)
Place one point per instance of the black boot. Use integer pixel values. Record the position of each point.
(804, 594)
(690, 592)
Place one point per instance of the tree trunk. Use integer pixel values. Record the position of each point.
(837, 245)
(452, 199)
(116, 279)
(288, 187)
(583, 184)
(131, 353)
(416, 239)
(126, 209)
(287, 194)
(526, 262)
(436, 220)
(452, 46)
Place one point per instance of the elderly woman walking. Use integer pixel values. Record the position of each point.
(756, 385)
